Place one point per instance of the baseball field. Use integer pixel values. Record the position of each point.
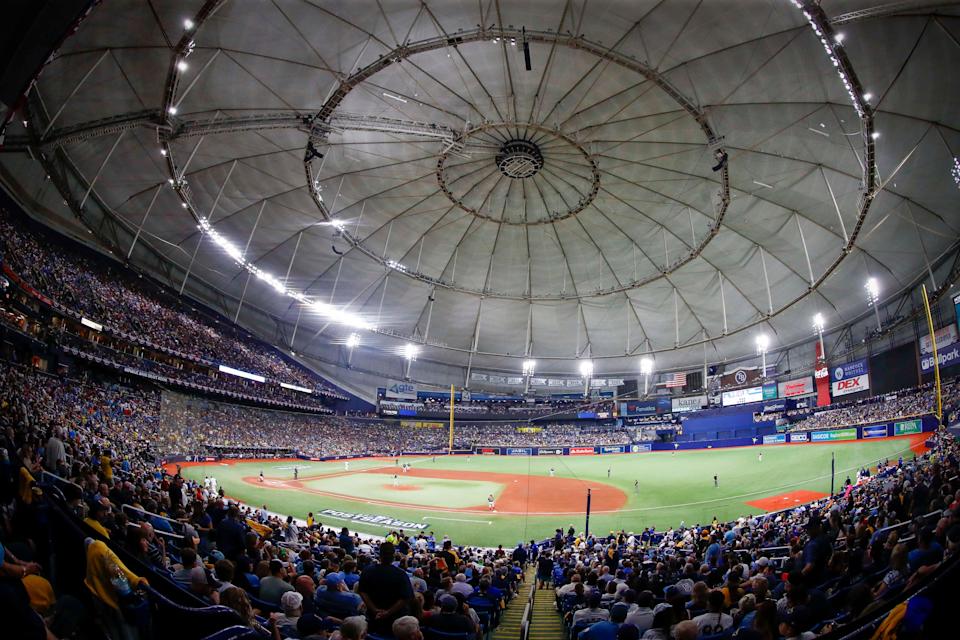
(535, 495)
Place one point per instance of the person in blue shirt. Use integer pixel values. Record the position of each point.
(335, 600)
(714, 551)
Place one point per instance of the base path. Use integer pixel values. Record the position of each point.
(521, 494)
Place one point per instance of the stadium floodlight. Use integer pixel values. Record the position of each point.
(763, 343)
(646, 368)
(818, 325)
(529, 366)
(410, 351)
(182, 65)
(873, 298)
(188, 24)
(353, 340)
(586, 371)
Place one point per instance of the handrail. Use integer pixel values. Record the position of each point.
(60, 479)
(908, 522)
(153, 515)
(159, 532)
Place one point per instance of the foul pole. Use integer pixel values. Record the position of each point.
(936, 358)
(450, 441)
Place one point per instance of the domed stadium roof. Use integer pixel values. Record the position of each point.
(503, 180)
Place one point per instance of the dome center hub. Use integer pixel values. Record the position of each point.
(519, 159)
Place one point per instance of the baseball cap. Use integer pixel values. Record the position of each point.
(799, 618)
(291, 600)
(663, 606)
(672, 592)
(763, 562)
(448, 603)
(333, 579)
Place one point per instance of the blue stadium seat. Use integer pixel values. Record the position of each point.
(171, 620)
(433, 634)
(236, 632)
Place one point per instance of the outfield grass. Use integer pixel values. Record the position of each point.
(672, 487)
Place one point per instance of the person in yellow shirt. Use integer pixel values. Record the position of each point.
(103, 566)
(309, 519)
(106, 466)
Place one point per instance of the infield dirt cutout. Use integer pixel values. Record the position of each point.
(786, 500)
(520, 494)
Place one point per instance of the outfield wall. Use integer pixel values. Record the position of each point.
(892, 428)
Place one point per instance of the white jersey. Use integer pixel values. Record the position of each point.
(346, 465)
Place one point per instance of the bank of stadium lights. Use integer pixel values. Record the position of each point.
(353, 340)
(529, 366)
(646, 368)
(188, 24)
(763, 343)
(818, 325)
(873, 298)
(830, 45)
(182, 65)
(410, 351)
(586, 372)
(955, 172)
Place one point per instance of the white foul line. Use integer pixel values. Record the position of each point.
(456, 519)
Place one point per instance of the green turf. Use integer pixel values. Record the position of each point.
(673, 487)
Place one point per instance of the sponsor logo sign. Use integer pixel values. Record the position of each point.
(641, 448)
(740, 377)
(386, 522)
(518, 452)
(779, 438)
(850, 385)
(799, 437)
(770, 391)
(849, 370)
(799, 387)
(549, 451)
(947, 356)
(612, 449)
(878, 431)
(689, 403)
(582, 451)
(489, 451)
(907, 427)
(945, 336)
(771, 407)
(836, 434)
(741, 396)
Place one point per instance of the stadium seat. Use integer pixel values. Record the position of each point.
(236, 632)
(433, 634)
(171, 620)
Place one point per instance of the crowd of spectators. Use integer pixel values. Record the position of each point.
(791, 574)
(133, 308)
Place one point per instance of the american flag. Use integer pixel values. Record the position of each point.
(677, 380)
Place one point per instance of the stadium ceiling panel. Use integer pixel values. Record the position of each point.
(399, 160)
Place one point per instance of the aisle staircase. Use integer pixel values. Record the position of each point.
(545, 621)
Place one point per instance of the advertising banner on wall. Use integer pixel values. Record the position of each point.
(907, 427)
(550, 451)
(796, 388)
(770, 391)
(641, 448)
(778, 438)
(836, 434)
(516, 451)
(741, 396)
(799, 437)
(948, 356)
(850, 377)
(612, 448)
(945, 336)
(877, 431)
(582, 451)
(688, 403)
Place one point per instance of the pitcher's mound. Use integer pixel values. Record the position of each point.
(403, 487)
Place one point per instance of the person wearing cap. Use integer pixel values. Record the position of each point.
(593, 612)
(336, 600)
(451, 618)
(607, 629)
(204, 585)
(795, 624)
(662, 621)
(292, 605)
(385, 590)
